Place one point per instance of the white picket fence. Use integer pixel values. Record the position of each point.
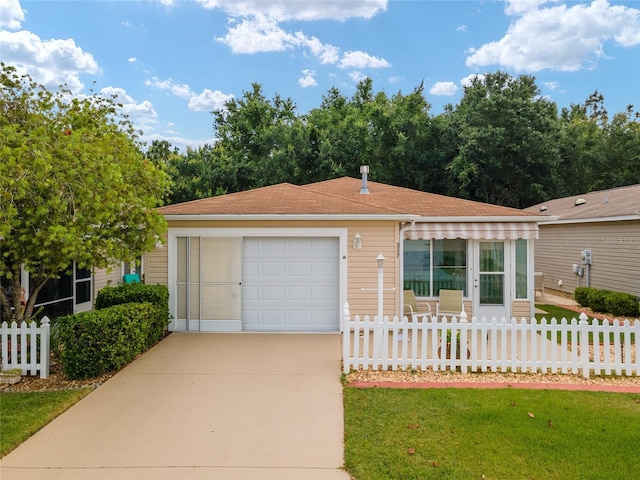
(26, 347)
(574, 346)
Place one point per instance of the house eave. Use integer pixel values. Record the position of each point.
(619, 218)
(487, 219)
(284, 217)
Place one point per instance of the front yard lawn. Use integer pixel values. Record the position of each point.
(490, 434)
(23, 414)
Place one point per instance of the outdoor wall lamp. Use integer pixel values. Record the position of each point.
(357, 242)
(380, 260)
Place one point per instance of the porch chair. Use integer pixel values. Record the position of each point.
(450, 303)
(538, 283)
(411, 309)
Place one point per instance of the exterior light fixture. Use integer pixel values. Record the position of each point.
(380, 260)
(357, 242)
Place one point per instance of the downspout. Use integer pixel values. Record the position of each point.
(401, 261)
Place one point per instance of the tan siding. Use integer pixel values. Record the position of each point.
(615, 248)
(377, 237)
(102, 277)
(156, 265)
(520, 309)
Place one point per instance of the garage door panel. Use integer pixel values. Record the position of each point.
(276, 293)
(299, 318)
(325, 270)
(291, 284)
(300, 269)
(274, 270)
(325, 320)
(300, 294)
(325, 294)
(273, 318)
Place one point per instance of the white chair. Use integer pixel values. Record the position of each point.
(411, 309)
(538, 284)
(450, 303)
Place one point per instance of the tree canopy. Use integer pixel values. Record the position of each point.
(74, 185)
(503, 143)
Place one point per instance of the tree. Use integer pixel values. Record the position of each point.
(250, 136)
(75, 186)
(507, 141)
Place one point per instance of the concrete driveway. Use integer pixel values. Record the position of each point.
(202, 406)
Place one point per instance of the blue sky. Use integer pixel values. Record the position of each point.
(172, 62)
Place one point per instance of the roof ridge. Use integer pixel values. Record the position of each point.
(332, 195)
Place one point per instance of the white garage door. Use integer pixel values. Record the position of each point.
(291, 284)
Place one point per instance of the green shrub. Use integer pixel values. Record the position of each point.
(132, 292)
(622, 304)
(102, 341)
(581, 294)
(598, 300)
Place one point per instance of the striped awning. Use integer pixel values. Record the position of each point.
(473, 231)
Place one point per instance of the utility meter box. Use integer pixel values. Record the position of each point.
(586, 257)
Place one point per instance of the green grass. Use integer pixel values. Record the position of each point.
(553, 311)
(477, 434)
(23, 414)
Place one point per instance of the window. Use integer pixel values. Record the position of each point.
(433, 265)
(521, 268)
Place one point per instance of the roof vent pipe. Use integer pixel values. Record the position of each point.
(364, 170)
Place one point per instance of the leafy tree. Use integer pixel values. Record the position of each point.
(507, 141)
(619, 163)
(580, 144)
(597, 153)
(251, 132)
(74, 184)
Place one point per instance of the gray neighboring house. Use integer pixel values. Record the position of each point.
(594, 241)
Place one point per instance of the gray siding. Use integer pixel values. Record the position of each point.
(615, 248)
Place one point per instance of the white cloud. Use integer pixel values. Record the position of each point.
(443, 88)
(143, 115)
(356, 76)
(180, 142)
(559, 38)
(359, 59)
(11, 14)
(518, 7)
(306, 10)
(182, 91)
(260, 34)
(132, 60)
(49, 62)
(466, 81)
(551, 85)
(325, 52)
(263, 34)
(461, 28)
(208, 100)
(307, 80)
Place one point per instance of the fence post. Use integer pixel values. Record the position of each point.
(45, 338)
(4, 345)
(346, 341)
(463, 342)
(584, 344)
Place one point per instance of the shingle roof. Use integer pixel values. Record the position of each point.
(340, 196)
(615, 202)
